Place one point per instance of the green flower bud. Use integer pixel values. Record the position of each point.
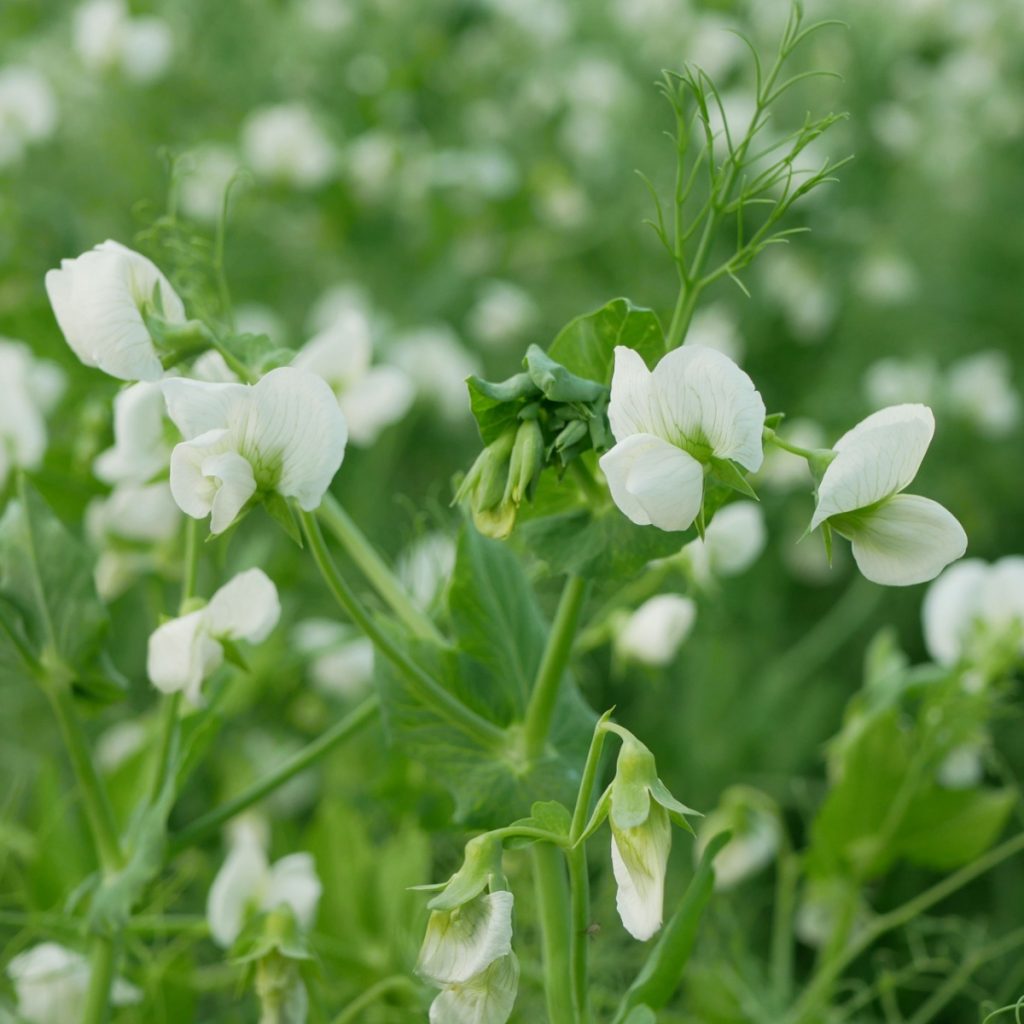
(526, 461)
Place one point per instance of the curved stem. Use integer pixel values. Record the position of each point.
(429, 690)
(374, 568)
(288, 769)
(101, 979)
(553, 907)
(371, 995)
(544, 695)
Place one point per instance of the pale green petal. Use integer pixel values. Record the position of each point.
(487, 998)
(639, 862)
(461, 943)
(293, 881)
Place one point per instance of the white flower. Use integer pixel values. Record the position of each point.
(755, 835)
(974, 602)
(438, 364)
(247, 884)
(655, 631)
(898, 539)
(980, 388)
(119, 743)
(208, 172)
(256, 318)
(98, 300)
(146, 48)
(697, 405)
(963, 767)
(425, 566)
(461, 943)
(285, 143)
(714, 327)
(886, 279)
(51, 983)
(502, 312)
(186, 650)
(639, 862)
(141, 450)
(733, 541)
(31, 389)
(486, 998)
(341, 662)
(28, 110)
(807, 301)
(284, 434)
(892, 381)
(105, 38)
(371, 397)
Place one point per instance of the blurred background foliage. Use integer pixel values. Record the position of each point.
(464, 170)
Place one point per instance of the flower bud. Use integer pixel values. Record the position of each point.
(526, 461)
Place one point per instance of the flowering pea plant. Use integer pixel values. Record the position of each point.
(621, 454)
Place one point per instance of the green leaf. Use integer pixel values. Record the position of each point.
(49, 610)
(493, 415)
(586, 345)
(256, 351)
(558, 383)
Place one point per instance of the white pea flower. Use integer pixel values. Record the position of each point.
(807, 301)
(31, 389)
(715, 327)
(980, 388)
(425, 566)
(486, 998)
(51, 983)
(886, 279)
(99, 299)
(106, 38)
(753, 822)
(971, 603)
(121, 742)
(285, 143)
(656, 630)
(733, 541)
(28, 111)
(284, 434)
(341, 662)
(248, 884)
(502, 312)
(438, 365)
(186, 650)
(141, 449)
(146, 49)
(371, 397)
(892, 381)
(696, 406)
(898, 539)
(963, 767)
(824, 904)
(208, 172)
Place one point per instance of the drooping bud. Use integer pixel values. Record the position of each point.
(526, 461)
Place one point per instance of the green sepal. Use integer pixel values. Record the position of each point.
(556, 382)
(276, 931)
(282, 512)
(482, 857)
(728, 473)
(774, 420)
(233, 654)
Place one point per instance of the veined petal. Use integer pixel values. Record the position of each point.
(293, 881)
(245, 608)
(197, 407)
(182, 654)
(236, 891)
(235, 485)
(486, 998)
(706, 399)
(876, 459)
(633, 408)
(950, 607)
(295, 420)
(461, 943)
(907, 540)
(193, 492)
(639, 861)
(654, 482)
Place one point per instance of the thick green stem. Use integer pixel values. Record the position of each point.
(818, 991)
(373, 567)
(579, 899)
(428, 689)
(288, 769)
(544, 695)
(101, 979)
(553, 907)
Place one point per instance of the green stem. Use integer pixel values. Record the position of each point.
(787, 875)
(428, 689)
(544, 695)
(101, 979)
(98, 811)
(820, 987)
(371, 995)
(579, 899)
(373, 567)
(553, 906)
(288, 769)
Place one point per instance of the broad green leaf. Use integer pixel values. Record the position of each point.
(586, 345)
(48, 603)
(494, 415)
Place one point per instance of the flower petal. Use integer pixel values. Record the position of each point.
(181, 654)
(461, 943)
(907, 540)
(237, 890)
(487, 998)
(633, 408)
(654, 632)
(196, 406)
(950, 606)
(341, 353)
(293, 881)
(639, 861)
(654, 482)
(139, 451)
(876, 459)
(706, 399)
(245, 608)
(382, 397)
(235, 486)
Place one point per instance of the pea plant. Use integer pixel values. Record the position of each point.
(612, 457)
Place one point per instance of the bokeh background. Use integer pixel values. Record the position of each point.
(461, 175)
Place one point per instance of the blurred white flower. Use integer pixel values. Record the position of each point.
(327, 15)
(653, 634)
(338, 303)
(120, 742)
(248, 884)
(503, 312)
(28, 111)
(284, 434)
(371, 397)
(285, 143)
(715, 327)
(963, 767)
(783, 471)
(733, 541)
(892, 381)
(212, 367)
(980, 389)
(973, 603)
(207, 173)
(486, 998)
(804, 296)
(886, 279)
(99, 299)
(141, 449)
(898, 539)
(186, 650)
(371, 161)
(31, 389)
(51, 983)
(490, 172)
(824, 903)
(425, 566)
(438, 365)
(697, 405)
(340, 661)
(756, 833)
(256, 318)
(106, 38)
